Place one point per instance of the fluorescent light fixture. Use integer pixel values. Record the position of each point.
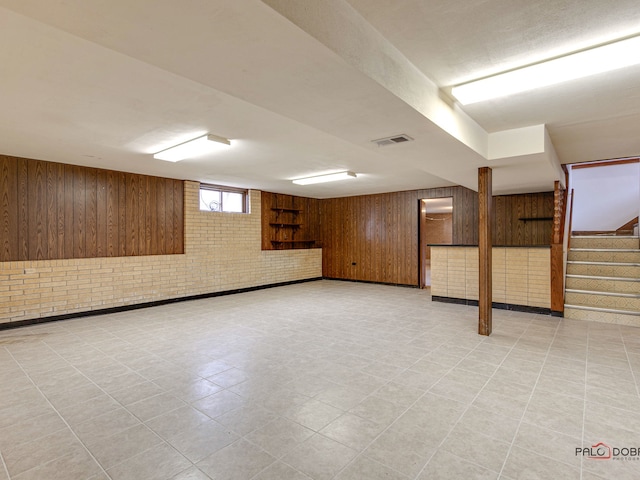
(331, 177)
(612, 56)
(193, 148)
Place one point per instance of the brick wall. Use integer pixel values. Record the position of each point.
(222, 252)
(520, 275)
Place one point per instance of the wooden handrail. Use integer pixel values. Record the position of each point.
(628, 226)
(570, 221)
(605, 163)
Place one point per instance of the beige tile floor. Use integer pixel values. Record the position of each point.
(319, 380)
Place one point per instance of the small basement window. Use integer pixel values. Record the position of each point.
(216, 198)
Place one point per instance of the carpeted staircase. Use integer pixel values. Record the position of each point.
(603, 279)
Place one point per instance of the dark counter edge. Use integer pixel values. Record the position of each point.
(137, 306)
(494, 246)
(499, 306)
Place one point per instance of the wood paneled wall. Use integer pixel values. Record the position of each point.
(438, 230)
(509, 229)
(54, 211)
(308, 218)
(375, 237)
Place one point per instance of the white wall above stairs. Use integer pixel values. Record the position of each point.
(605, 197)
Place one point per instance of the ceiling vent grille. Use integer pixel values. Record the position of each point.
(383, 142)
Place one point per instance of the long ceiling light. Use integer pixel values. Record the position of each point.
(612, 56)
(193, 148)
(331, 177)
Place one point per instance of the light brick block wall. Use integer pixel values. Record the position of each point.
(222, 252)
(520, 275)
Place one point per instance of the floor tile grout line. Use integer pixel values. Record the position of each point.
(241, 437)
(63, 420)
(345, 412)
(584, 407)
(91, 381)
(471, 403)
(129, 369)
(4, 466)
(482, 341)
(142, 422)
(400, 415)
(277, 459)
(636, 378)
(318, 432)
(107, 394)
(513, 441)
(378, 322)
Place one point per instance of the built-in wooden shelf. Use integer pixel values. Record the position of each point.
(535, 219)
(280, 210)
(289, 222)
(285, 225)
(293, 241)
(288, 244)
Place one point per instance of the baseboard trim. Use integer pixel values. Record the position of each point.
(371, 281)
(138, 306)
(496, 305)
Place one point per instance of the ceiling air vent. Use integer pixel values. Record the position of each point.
(382, 142)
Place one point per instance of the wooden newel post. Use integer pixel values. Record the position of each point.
(557, 255)
(485, 245)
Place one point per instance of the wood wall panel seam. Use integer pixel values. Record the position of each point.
(169, 220)
(8, 208)
(91, 208)
(51, 211)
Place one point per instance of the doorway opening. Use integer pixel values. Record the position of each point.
(436, 228)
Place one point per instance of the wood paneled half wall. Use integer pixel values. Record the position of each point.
(55, 211)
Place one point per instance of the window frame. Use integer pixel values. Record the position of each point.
(224, 189)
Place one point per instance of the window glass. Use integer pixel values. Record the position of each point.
(210, 201)
(215, 198)
(233, 202)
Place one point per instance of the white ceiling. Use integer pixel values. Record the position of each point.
(437, 205)
(302, 87)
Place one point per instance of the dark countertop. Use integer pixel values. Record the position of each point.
(498, 246)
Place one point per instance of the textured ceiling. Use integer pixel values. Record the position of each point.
(455, 42)
(106, 84)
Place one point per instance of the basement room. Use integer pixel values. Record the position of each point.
(319, 239)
